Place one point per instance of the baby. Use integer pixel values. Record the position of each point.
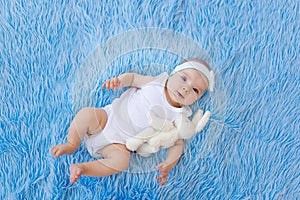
(106, 129)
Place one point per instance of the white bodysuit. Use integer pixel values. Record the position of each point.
(128, 115)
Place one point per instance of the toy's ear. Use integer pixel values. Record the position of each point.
(186, 127)
(203, 121)
(197, 116)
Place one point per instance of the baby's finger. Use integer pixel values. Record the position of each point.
(107, 84)
(116, 82)
(161, 166)
(163, 170)
(113, 83)
(104, 85)
(160, 177)
(164, 179)
(163, 182)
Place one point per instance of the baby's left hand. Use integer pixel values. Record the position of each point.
(112, 83)
(164, 169)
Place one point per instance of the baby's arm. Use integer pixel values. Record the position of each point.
(174, 153)
(127, 79)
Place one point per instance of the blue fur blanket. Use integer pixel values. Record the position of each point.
(55, 55)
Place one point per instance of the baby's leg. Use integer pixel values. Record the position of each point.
(116, 159)
(87, 120)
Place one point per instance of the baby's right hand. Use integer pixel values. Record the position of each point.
(112, 83)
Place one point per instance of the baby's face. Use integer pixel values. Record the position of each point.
(185, 87)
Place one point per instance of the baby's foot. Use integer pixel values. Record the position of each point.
(61, 149)
(75, 172)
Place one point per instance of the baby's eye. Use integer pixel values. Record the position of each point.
(196, 90)
(183, 78)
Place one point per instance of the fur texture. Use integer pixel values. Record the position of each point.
(55, 55)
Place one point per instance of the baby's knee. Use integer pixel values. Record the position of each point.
(93, 117)
(122, 166)
(87, 111)
(117, 166)
(117, 157)
(121, 161)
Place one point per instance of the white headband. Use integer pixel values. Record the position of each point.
(209, 74)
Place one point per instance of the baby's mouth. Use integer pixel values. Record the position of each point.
(180, 95)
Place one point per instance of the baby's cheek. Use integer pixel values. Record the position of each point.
(199, 95)
(194, 98)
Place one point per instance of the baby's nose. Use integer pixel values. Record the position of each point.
(186, 89)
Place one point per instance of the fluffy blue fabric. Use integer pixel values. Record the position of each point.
(55, 55)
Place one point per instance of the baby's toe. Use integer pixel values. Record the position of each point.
(56, 155)
(53, 150)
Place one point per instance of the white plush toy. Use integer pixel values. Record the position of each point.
(164, 134)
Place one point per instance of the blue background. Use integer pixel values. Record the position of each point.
(249, 150)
